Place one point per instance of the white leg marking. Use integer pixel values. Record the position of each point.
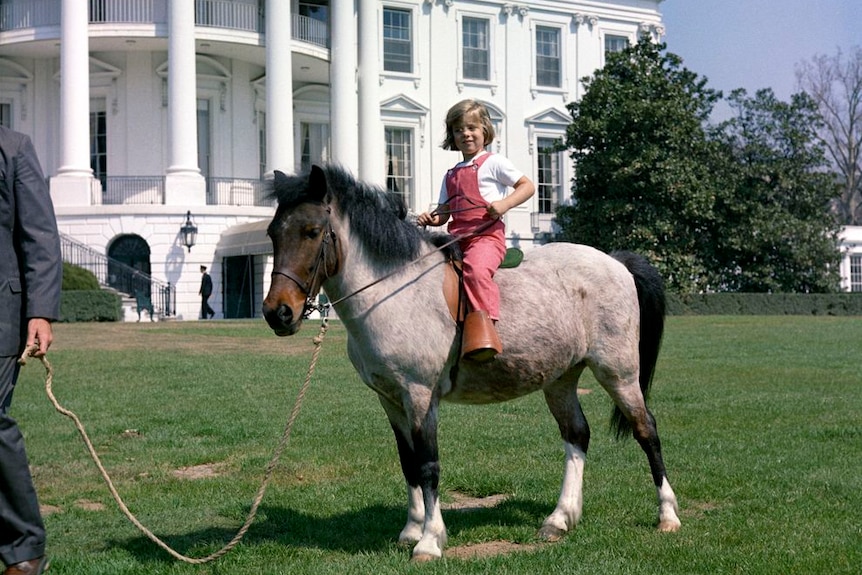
(433, 539)
(667, 508)
(412, 532)
(571, 502)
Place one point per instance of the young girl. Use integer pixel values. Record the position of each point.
(474, 194)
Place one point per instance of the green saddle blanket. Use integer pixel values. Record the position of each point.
(513, 258)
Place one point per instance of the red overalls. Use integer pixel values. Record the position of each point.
(483, 253)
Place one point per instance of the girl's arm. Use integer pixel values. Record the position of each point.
(524, 190)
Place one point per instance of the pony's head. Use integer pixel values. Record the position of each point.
(324, 214)
(305, 248)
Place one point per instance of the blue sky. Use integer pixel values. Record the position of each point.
(756, 44)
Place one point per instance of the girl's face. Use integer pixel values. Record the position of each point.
(469, 136)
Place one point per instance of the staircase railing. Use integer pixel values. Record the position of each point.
(120, 276)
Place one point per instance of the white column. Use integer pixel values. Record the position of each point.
(184, 183)
(279, 88)
(72, 184)
(371, 138)
(344, 107)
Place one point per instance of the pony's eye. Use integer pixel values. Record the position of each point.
(311, 233)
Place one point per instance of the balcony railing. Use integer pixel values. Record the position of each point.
(147, 190)
(237, 192)
(245, 15)
(132, 190)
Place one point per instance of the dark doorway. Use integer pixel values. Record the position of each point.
(238, 287)
(129, 265)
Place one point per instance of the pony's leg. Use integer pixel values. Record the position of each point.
(412, 531)
(562, 399)
(630, 401)
(417, 449)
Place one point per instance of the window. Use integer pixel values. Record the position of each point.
(314, 9)
(549, 176)
(261, 141)
(856, 272)
(6, 115)
(314, 144)
(548, 64)
(99, 142)
(399, 163)
(397, 41)
(615, 43)
(476, 46)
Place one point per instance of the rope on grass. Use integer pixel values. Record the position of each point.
(49, 382)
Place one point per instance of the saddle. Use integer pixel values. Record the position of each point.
(453, 281)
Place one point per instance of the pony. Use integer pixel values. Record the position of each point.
(565, 308)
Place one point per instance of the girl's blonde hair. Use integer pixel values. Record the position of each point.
(457, 113)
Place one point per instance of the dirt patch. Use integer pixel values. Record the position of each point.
(88, 505)
(488, 549)
(584, 391)
(463, 502)
(49, 509)
(200, 471)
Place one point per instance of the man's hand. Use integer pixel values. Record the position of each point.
(39, 332)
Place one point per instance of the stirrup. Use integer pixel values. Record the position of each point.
(480, 342)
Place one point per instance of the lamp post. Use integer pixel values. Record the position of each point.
(189, 231)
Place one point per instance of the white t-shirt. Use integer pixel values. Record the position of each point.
(496, 176)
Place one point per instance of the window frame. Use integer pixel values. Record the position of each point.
(463, 79)
(613, 33)
(556, 187)
(410, 13)
(855, 275)
(409, 193)
(560, 56)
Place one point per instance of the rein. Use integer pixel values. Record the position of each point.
(49, 382)
(438, 249)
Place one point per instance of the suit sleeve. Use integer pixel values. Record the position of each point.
(39, 242)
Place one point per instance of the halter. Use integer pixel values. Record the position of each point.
(307, 286)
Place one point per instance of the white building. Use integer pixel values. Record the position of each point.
(145, 112)
(851, 260)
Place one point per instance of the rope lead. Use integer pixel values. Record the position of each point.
(49, 383)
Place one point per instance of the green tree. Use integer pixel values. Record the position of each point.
(642, 163)
(773, 229)
(742, 206)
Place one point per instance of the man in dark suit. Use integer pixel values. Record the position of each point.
(31, 276)
(205, 292)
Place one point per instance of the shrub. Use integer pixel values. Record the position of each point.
(90, 305)
(77, 278)
(764, 304)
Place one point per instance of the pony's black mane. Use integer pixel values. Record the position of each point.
(376, 217)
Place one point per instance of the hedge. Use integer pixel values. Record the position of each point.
(90, 305)
(765, 304)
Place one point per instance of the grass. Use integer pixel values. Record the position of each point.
(759, 418)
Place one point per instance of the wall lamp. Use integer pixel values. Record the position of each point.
(189, 231)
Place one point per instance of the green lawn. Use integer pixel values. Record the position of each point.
(759, 418)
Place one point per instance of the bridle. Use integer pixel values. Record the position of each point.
(311, 287)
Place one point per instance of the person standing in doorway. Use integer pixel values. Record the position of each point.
(31, 276)
(205, 292)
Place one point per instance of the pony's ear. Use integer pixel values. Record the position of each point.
(317, 187)
(279, 179)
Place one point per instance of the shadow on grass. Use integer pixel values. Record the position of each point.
(370, 530)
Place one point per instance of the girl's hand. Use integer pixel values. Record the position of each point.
(496, 209)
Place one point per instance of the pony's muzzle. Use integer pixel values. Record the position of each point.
(281, 319)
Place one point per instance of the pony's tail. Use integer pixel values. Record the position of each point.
(653, 306)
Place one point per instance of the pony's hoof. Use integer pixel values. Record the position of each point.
(669, 526)
(550, 533)
(423, 558)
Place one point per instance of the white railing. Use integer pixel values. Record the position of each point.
(231, 14)
(18, 14)
(128, 11)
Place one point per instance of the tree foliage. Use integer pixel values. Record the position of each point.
(653, 177)
(774, 232)
(835, 84)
